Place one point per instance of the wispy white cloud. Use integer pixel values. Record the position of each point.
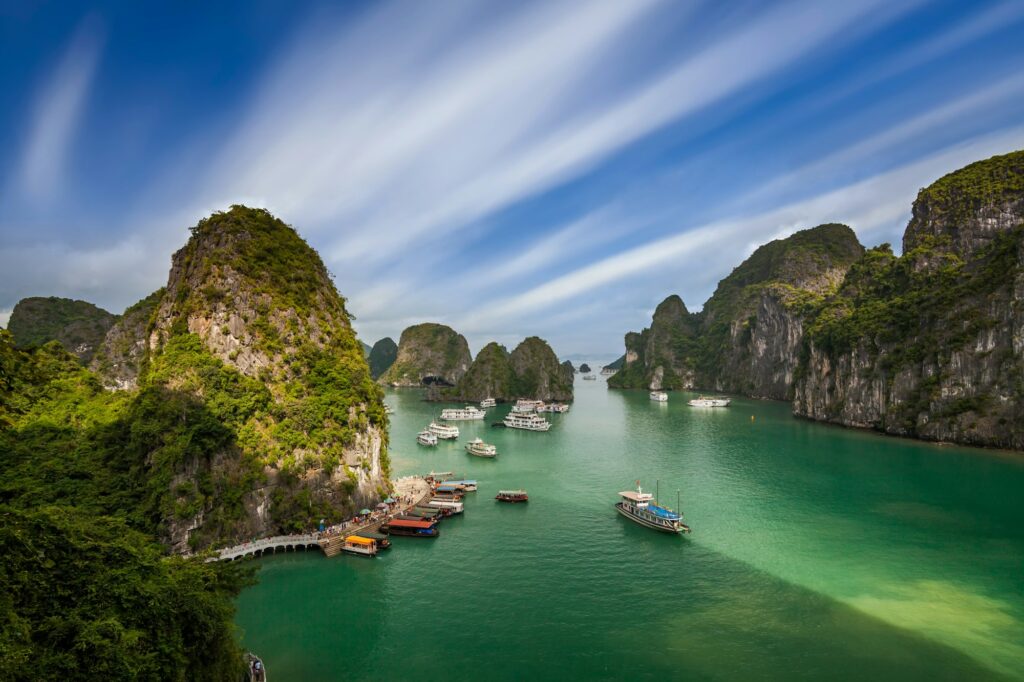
(930, 124)
(378, 153)
(871, 206)
(56, 113)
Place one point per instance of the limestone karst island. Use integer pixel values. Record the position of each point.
(512, 341)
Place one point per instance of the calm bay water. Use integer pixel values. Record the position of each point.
(817, 553)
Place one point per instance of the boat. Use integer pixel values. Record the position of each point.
(481, 449)
(559, 408)
(380, 538)
(512, 496)
(421, 513)
(357, 544)
(710, 402)
(469, 485)
(637, 506)
(450, 487)
(527, 422)
(589, 377)
(255, 671)
(467, 413)
(445, 431)
(426, 437)
(526, 406)
(418, 529)
(487, 402)
(439, 475)
(453, 505)
(659, 396)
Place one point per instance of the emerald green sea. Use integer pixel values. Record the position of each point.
(817, 553)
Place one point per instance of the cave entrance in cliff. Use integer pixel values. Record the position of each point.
(434, 381)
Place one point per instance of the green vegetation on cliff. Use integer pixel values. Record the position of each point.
(88, 592)
(429, 353)
(382, 356)
(530, 371)
(78, 326)
(537, 372)
(712, 348)
(119, 358)
(957, 196)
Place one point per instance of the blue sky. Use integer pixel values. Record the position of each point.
(549, 168)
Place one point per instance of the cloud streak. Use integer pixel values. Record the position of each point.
(56, 114)
(869, 205)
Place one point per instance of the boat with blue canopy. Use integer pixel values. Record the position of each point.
(642, 508)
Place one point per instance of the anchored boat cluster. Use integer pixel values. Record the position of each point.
(524, 415)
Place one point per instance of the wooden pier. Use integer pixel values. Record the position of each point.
(329, 543)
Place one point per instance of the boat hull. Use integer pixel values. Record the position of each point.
(650, 524)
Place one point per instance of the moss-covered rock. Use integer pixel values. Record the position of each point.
(78, 326)
(429, 354)
(927, 344)
(969, 207)
(252, 325)
(119, 358)
(747, 337)
(490, 376)
(538, 373)
(530, 371)
(382, 356)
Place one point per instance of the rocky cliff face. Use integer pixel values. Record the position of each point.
(538, 374)
(663, 355)
(251, 325)
(382, 356)
(530, 371)
(429, 354)
(490, 376)
(119, 358)
(78, 326)
(753, 323)
(747, 338)
(970, 207)
(931, 344)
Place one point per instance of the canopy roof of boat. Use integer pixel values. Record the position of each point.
(636, 497)
(511, 492)
(359, 540)
(408, 523)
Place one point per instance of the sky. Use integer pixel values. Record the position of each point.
(509, 169)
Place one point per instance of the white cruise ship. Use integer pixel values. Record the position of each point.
(710, 402)
(527, 422)
(553, 407)
(659, 396)
(590, 377)
(481, 449)
(426, 437)
(487, 402)
(526, 406)
(462, 413)
(445, 431)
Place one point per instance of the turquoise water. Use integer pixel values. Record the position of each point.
(817, 553)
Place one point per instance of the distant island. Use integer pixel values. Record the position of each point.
(920, 345)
